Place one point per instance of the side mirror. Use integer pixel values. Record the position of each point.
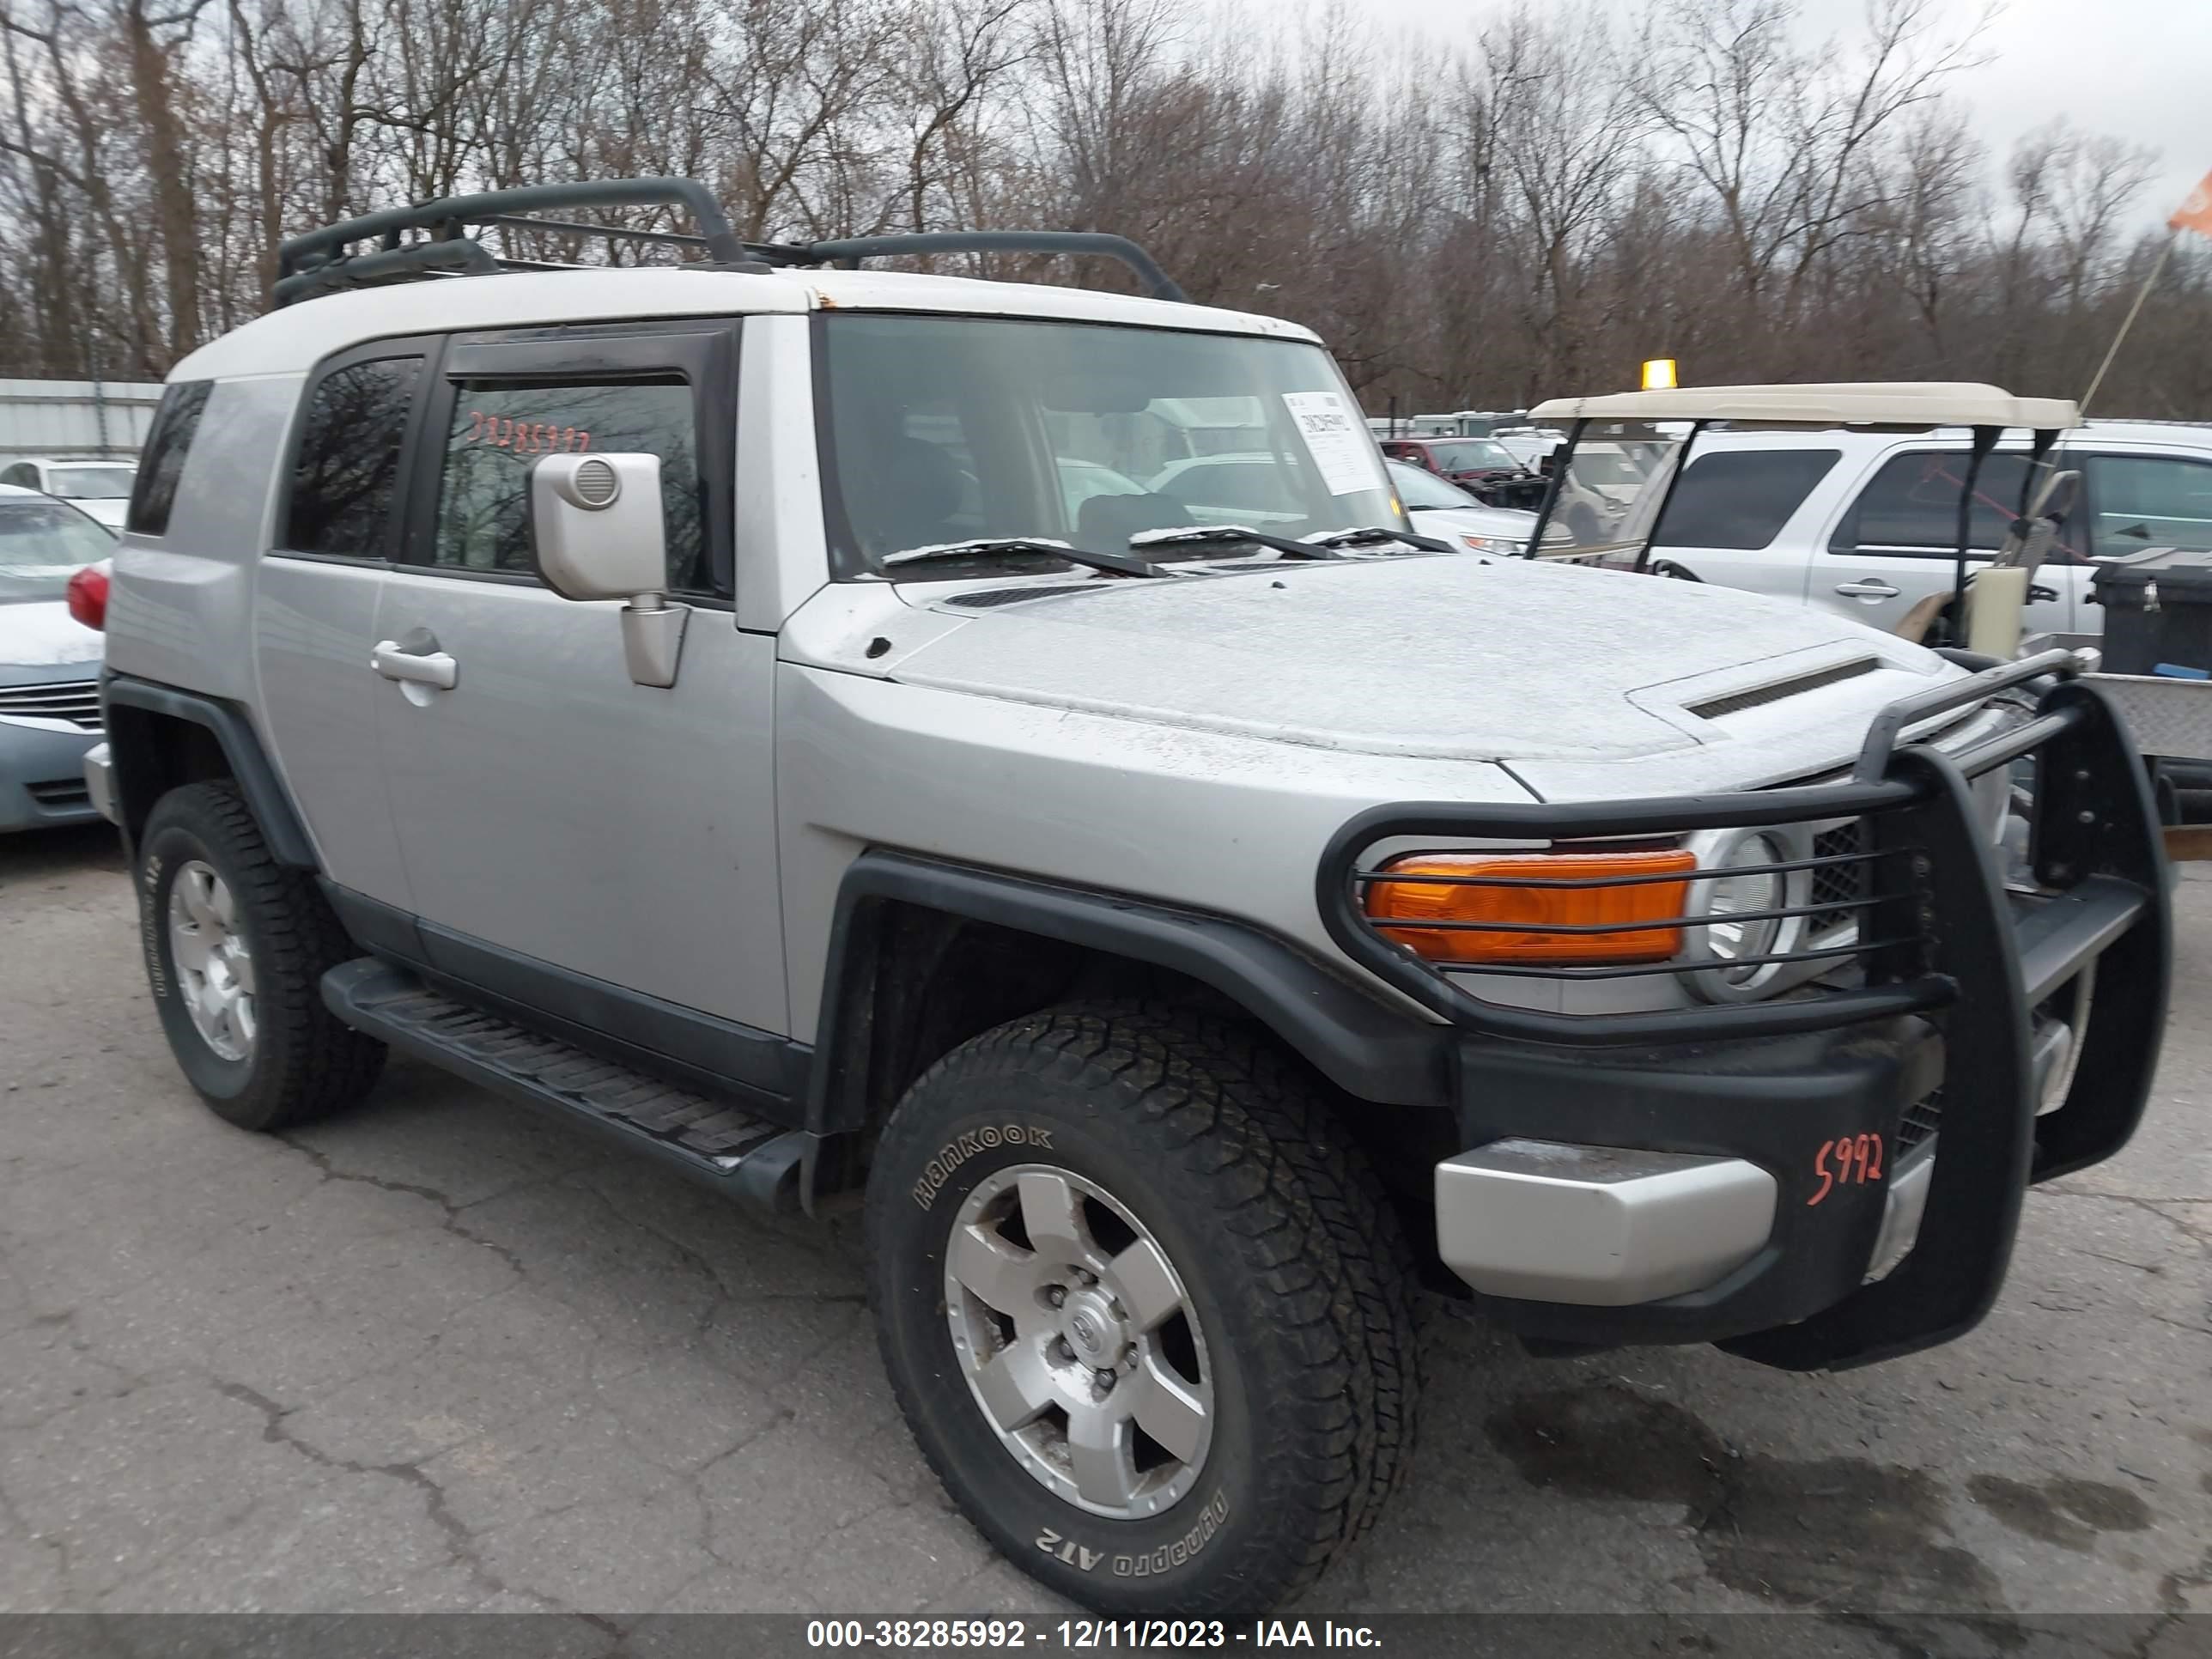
(596, 533)
(596, 525)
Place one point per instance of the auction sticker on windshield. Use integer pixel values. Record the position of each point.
(1338, 440)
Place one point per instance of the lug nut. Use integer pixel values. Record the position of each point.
(1104, 1378)
(1057, 1295)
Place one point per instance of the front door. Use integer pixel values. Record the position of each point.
(569, 836)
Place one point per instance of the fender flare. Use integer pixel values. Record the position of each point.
(1356, 1040)
(242, 747)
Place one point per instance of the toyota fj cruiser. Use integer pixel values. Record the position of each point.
(751, 709)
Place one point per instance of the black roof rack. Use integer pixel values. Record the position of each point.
(322, 262)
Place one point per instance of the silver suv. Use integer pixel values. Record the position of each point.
(721, 705)
(1865, 522)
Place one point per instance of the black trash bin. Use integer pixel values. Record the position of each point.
(2158, 610)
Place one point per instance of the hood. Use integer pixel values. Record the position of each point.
(109, 511)
(1451, 657)
(43, 635)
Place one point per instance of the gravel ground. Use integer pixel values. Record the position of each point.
(443, 1354)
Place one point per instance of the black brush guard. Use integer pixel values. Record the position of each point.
(1950, 948)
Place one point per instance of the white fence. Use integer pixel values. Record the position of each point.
(75, 418)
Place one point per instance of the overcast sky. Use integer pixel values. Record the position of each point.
(2141, 69)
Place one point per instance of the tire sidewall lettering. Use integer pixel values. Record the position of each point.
(1182, 1551)
(939, 1172)
(1070, 1549)
(149, 933)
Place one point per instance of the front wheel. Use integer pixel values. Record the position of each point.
(1145, 1309)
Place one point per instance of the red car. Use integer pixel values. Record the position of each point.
(1486, 469)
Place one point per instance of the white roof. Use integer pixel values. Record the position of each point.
(296, 337)
(1861, 402)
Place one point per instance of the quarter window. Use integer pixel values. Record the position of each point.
(499, 430)
(2148, 501)
(1912, 507)
(1741, 498)
(175, 424)
(348, 467)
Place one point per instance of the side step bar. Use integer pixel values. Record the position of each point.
(745, 1157)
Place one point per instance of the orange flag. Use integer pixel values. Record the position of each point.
(2196, 213)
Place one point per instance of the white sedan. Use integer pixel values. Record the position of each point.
(49, 659)
(1445, 511)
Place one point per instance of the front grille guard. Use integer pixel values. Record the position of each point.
(1949, 943)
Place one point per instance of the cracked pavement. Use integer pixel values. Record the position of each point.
(445, 1354)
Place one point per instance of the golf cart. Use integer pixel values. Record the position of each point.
(2161, 640)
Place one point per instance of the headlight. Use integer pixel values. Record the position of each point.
(1743, 929)
(1746, 897)
(1503, 544)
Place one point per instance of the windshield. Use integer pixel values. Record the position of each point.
(42, 545)
(953, 429)
(1478, 455)
(1614, 479)
(90, 483)
(1419, 489)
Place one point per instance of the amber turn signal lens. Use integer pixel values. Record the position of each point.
(1485, 923)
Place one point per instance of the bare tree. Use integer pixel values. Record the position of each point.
(1514, 212)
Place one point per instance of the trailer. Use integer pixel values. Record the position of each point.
(102, 419)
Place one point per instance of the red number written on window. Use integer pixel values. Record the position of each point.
(524, 437)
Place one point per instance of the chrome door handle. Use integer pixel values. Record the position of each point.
(433, 668)
(1870, 588)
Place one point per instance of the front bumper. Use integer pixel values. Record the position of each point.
(42, 776)
(1763, 1174)
(1602, 1226)
(99, 782)
(1609, 1227)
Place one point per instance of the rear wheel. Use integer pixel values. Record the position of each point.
(236, 946)
(1146, 1311)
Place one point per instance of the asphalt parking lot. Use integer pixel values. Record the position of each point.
(444, 1355)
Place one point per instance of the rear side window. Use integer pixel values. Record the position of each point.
(2150, 501)
(1912, 507)
(501, 428)
(176, 423)
(346, 471)
(1741, 498)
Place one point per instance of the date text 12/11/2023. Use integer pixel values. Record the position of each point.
(1006, 1635)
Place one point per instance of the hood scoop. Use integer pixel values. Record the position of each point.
(1735, 702)
(990, 599)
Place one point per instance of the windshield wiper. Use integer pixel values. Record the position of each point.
(1200, 535)
(1367, 537)
(1113, 564)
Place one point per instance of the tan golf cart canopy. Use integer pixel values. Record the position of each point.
(1917, 404)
